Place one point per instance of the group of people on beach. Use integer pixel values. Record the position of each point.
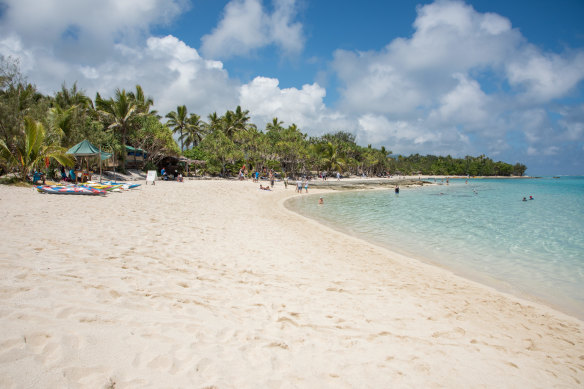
(300, 184)
(175, 177)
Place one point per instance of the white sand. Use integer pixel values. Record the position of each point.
(216, 284)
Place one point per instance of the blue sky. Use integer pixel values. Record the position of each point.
(501, 78)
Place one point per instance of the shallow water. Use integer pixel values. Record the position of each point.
(478, 228)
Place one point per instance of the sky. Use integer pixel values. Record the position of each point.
(495, 77)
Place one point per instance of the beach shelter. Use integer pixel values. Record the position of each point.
(188, 162)
(87, 150)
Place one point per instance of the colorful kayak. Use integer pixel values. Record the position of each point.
(70, 189)
(123, 184)
(111, 185)
(104, 186)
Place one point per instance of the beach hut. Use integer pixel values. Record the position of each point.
(135, 157)
(188, 162)
(85, 149)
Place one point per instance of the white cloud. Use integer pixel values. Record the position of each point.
(246, 27)
(303, 107)
(466, 104)
(543, 76)
(85, 30)
(573, 123)
(106, 45)
(459, 84)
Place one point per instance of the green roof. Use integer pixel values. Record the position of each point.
(86, 149)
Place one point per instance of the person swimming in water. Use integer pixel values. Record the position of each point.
(397, 189)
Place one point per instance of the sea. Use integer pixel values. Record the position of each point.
(480, 229)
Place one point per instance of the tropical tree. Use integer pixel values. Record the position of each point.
(274, 127)
(73, 112)
(121, 114)
(67, 98)
(17, 100)
(32, 149)
(194, 132)
(215, 122)
(61, 122)
(256, 148)
(290, 147)
(179, 122)
(235, 122)
(331, 156)
(155, 139)
(375, 160)
(220, 149)
(143, 103)
(519, 169)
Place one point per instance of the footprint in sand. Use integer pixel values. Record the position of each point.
(457, 333)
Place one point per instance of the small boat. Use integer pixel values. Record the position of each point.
(70, 189)
(124, 185)
(104, 186)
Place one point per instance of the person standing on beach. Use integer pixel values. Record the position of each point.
(338, 176)
(299, 186)
(305, 185)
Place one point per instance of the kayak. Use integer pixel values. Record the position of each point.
(97, 185)
(111, 185)
(123, 184)
(70, 189)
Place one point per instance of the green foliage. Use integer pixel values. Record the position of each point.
(221, 150)
(196, 153)
(225, 142)
(178, 121)
(32, 149)
(430, 164)
(154, 138)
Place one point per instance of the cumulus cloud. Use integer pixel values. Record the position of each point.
(84, 30)
(460, 83)
(304, 107)
(246, 27)
(106, 45)
(464, 82)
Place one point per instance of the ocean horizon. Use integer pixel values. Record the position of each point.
(481, 229)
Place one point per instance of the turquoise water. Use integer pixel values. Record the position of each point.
(481, 230)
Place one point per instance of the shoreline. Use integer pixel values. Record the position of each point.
(217, 283)
(479, 277)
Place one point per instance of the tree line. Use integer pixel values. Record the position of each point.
(37, 129)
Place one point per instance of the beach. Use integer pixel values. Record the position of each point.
(215, 284)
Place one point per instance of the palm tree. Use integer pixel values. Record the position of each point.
(61, 122)
(178, 121)
(67, 98)
(194, 132)
(331, 156)
(142, 102)
(32, 149)
(121, 113)
(274, 126)
(215, 122)
(235, 122)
